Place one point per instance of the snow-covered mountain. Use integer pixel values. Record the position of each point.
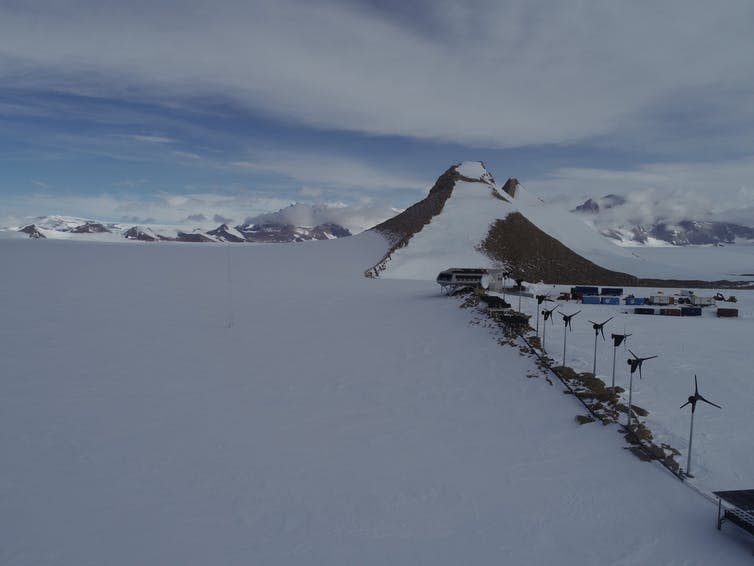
(262, 229)
(467, 220)
(636, 222)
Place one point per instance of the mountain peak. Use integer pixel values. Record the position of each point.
(474, 171)
(511, 187)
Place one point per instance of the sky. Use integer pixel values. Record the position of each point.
(157, 111)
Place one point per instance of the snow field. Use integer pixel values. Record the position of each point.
(340, 420)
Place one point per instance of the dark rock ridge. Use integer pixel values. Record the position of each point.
(224, 234)
(196, 237)
(136, 233)
(33, 231)
(691, 232)
(534, 255)
(273, 232)
(90, 228)
(589, 206)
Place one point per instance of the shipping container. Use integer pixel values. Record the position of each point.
(644, 310)
(691, 311)
(582, 290)
(727, 313)
(635, 300)
(702, 301)
(610, 300)
(590, 300)
(670, 312)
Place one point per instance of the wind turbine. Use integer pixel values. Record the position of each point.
(617, 341)
(599, 328)
(692, 401)
(566, 327)
(635, 364)
(547, 314)
(541, 299)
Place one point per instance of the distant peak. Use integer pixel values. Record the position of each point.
(474, 171)
(511, 186)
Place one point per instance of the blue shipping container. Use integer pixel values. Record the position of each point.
(590, 300)
(610, 300)
(635, 300)
(613, 291)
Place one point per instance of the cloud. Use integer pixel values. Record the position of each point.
(660, 191)
(485, 73)
(150, 139)
(196, 218)
(356, 217)
(157, 208)
(218, 219)
(328, 170)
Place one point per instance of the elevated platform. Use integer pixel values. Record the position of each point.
(738, 509)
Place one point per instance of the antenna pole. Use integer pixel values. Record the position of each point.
(519, 299)
(537, 307)
(230, 289)
(630, 391)
(544, 334)
(691, 437)
(565, 337)
(615, 350)
(594, 365)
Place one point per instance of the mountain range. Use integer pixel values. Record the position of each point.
(250, 231)
(628, 222)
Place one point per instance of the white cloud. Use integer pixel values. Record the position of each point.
(150, 139)
(490, 73)
(356, 217)
(328, 170)
(661, 191)
(162, 209)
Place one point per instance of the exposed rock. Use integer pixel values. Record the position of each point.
(589, 206)
(224, 234)
(534, 255)
(90, 228)
(193, 237)
(136, 233)
(33, 231)
(511, 187)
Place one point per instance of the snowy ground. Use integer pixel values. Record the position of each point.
(340, 420)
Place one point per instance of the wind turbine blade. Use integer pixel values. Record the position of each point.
(594, 323)
(650, 358)
(634, 355)
(686, 403)
(709, 402)
(696, 386)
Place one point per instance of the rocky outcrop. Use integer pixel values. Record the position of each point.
(224, 234)
(589, 206)
(136, 233)
(33, 231)
(90, 228)
(533, 255)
